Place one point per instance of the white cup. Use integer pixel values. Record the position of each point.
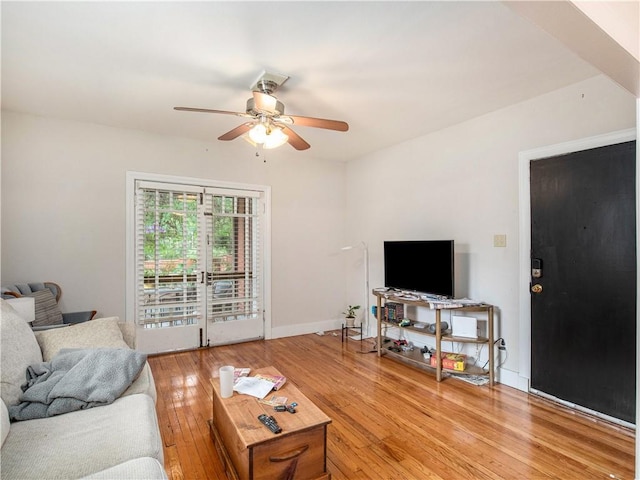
(226, 381)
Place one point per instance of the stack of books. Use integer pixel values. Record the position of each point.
(394, 312)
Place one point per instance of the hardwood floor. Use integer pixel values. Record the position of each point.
(391, 421)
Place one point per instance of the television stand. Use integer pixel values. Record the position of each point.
(415, 357)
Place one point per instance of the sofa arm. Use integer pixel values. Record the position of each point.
(78, 317)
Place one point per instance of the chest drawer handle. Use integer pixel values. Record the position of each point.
(290, 455)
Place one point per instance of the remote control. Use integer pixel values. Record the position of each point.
(270, 423)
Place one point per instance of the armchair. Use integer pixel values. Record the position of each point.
(47, 312)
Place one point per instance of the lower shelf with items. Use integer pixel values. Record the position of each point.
(416, 358)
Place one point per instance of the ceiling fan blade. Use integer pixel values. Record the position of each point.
(207, 110)
(265, 102)
(319, 123)
(295, 140)
(236, 132)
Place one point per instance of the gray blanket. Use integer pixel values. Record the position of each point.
(77, 379)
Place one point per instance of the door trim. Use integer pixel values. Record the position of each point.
(524, 197)
(130, 268)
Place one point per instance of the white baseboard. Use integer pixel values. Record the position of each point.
(513, 379)
(305, 328)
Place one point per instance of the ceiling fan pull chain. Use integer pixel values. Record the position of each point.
(264, 154)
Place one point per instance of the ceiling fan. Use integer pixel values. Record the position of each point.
(269, 126)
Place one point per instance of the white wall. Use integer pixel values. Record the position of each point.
(63, 212)
(462, 183)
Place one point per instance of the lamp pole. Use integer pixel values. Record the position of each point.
(365, 250)
(366, 285)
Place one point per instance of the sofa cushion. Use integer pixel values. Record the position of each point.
(5, 424)
(101, 332)
(140, 469)
(18, 350)
(81, 443)
(47, 310)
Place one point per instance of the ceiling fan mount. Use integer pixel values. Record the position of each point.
(267, 86)
(268, 82)
(269, 126)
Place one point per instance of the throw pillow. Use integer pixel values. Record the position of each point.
(98, 333)
(18, 350)
(47, 310)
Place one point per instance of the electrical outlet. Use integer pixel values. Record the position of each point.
(500, 240)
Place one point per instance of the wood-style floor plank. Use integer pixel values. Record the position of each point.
(389, 420)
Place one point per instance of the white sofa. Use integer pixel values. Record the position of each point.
(116, 441)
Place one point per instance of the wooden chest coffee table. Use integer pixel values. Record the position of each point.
(250, 451)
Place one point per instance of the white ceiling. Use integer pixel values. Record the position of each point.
(392, 70)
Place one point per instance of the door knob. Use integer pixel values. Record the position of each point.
(537, 288)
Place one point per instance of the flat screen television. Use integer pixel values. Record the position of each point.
(420, 265)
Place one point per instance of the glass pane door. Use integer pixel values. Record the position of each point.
(234, 266)
(168, 250)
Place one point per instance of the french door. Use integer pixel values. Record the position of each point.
(233, 278)
(199, 260)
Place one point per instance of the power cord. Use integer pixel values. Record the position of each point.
(478, 354)
(502, 346)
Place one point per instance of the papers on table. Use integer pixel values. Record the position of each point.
(256, 387)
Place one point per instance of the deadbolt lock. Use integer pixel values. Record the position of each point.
(537, 288)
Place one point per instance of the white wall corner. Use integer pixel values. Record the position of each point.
(620, 20)
(591, 35)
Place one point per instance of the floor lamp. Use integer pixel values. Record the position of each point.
(365, 251)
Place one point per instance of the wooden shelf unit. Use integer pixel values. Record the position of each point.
(415, 357)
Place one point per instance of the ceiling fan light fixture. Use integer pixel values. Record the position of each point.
(275, 138)
(258, 133)
(268, 136)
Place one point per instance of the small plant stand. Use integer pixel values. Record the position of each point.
(345, 331)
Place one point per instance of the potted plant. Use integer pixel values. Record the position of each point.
(350, 315)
